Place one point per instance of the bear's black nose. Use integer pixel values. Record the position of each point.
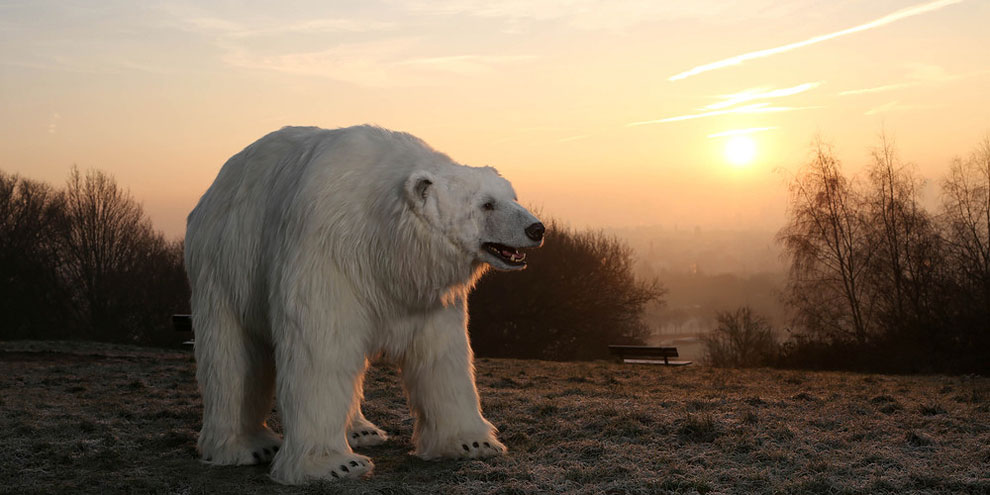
(535, 231)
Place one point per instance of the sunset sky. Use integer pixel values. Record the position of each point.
(602, 113)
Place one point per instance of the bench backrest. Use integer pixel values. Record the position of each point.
(642, 350)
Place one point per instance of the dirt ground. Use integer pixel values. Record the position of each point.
(100, 418)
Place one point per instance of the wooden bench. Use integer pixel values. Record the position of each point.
(644, 354)
(183, 323)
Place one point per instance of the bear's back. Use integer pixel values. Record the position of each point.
(280, 189)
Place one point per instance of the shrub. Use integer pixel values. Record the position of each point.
(741, 339)
(577, 295)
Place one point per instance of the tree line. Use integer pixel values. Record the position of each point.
(877, 281)
(84, 262)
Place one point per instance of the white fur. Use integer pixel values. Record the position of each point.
(314, 250)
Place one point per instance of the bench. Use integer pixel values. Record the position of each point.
(644, 354)
(183, 323)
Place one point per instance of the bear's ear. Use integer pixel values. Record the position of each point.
(418, 187)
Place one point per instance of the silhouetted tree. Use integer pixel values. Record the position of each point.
(906, 270)
(577, 295)
(125, 275)
(965, 225)
(830, 251)
(32, 297)
(878, 280)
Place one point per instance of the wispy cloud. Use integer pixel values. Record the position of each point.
(920, 75)
(745, 109)
(593, 15)
(883, 21)
(234, 29)
(53, 123)
(383, 63)
(741, 132)
(894, 106)
(465, 64)
(878, 89)
(761, 94)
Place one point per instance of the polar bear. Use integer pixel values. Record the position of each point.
(314, 250)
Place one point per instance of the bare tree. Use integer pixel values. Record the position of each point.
(965, 225)
(104, 235)
(906, 260)
(966, 214)
(830, 251)
(31, 295)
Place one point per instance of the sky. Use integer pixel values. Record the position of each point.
(603, 114)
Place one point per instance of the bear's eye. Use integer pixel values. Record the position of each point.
(488, 206)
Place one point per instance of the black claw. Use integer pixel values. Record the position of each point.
(267, 452)
(334, 473)
(488, 445)
(466, 449)
(256, 456)
(344, 468)
(354, 463)
(357, 435)
(365, 432)
(275, 448)
(475, 444)
(209, 459)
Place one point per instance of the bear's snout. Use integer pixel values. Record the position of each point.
(535, 231)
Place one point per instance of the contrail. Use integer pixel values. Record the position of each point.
(883, 21)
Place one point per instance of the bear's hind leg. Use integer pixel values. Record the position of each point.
(235, 372)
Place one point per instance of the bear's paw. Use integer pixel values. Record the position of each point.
(463, 447)
(259, 448)
(365, 436)
(337, 466)
(481, 448)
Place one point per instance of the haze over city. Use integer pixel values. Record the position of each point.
(603, 114)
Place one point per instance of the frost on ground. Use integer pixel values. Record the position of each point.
(101, 418)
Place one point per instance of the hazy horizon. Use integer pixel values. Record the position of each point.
(602, 114)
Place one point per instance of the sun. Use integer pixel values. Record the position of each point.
(740, 150)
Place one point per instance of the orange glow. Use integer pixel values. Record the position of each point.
(740, 150)
(575, 104)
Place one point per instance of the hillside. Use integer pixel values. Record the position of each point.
(84, 417)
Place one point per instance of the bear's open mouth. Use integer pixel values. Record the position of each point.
(509, 255)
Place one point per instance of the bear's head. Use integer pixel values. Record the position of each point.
(475, 209)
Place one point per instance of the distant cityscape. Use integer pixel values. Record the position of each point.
(706, 271)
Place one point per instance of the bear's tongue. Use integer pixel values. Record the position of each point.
(513, 255)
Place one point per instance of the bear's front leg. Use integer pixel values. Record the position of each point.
(438, 373)
(317, 378)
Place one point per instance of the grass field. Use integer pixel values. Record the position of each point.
(98, 418)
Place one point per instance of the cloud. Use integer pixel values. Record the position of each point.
(593, 15)
(761, 94)
(729, 102)
(53, 123)
(233, 29)
(573, 138)
(883, 21)
(894, 106)
(464, 64)
(920, 75)
(741, 132)
(383, 63)
(745, 109)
